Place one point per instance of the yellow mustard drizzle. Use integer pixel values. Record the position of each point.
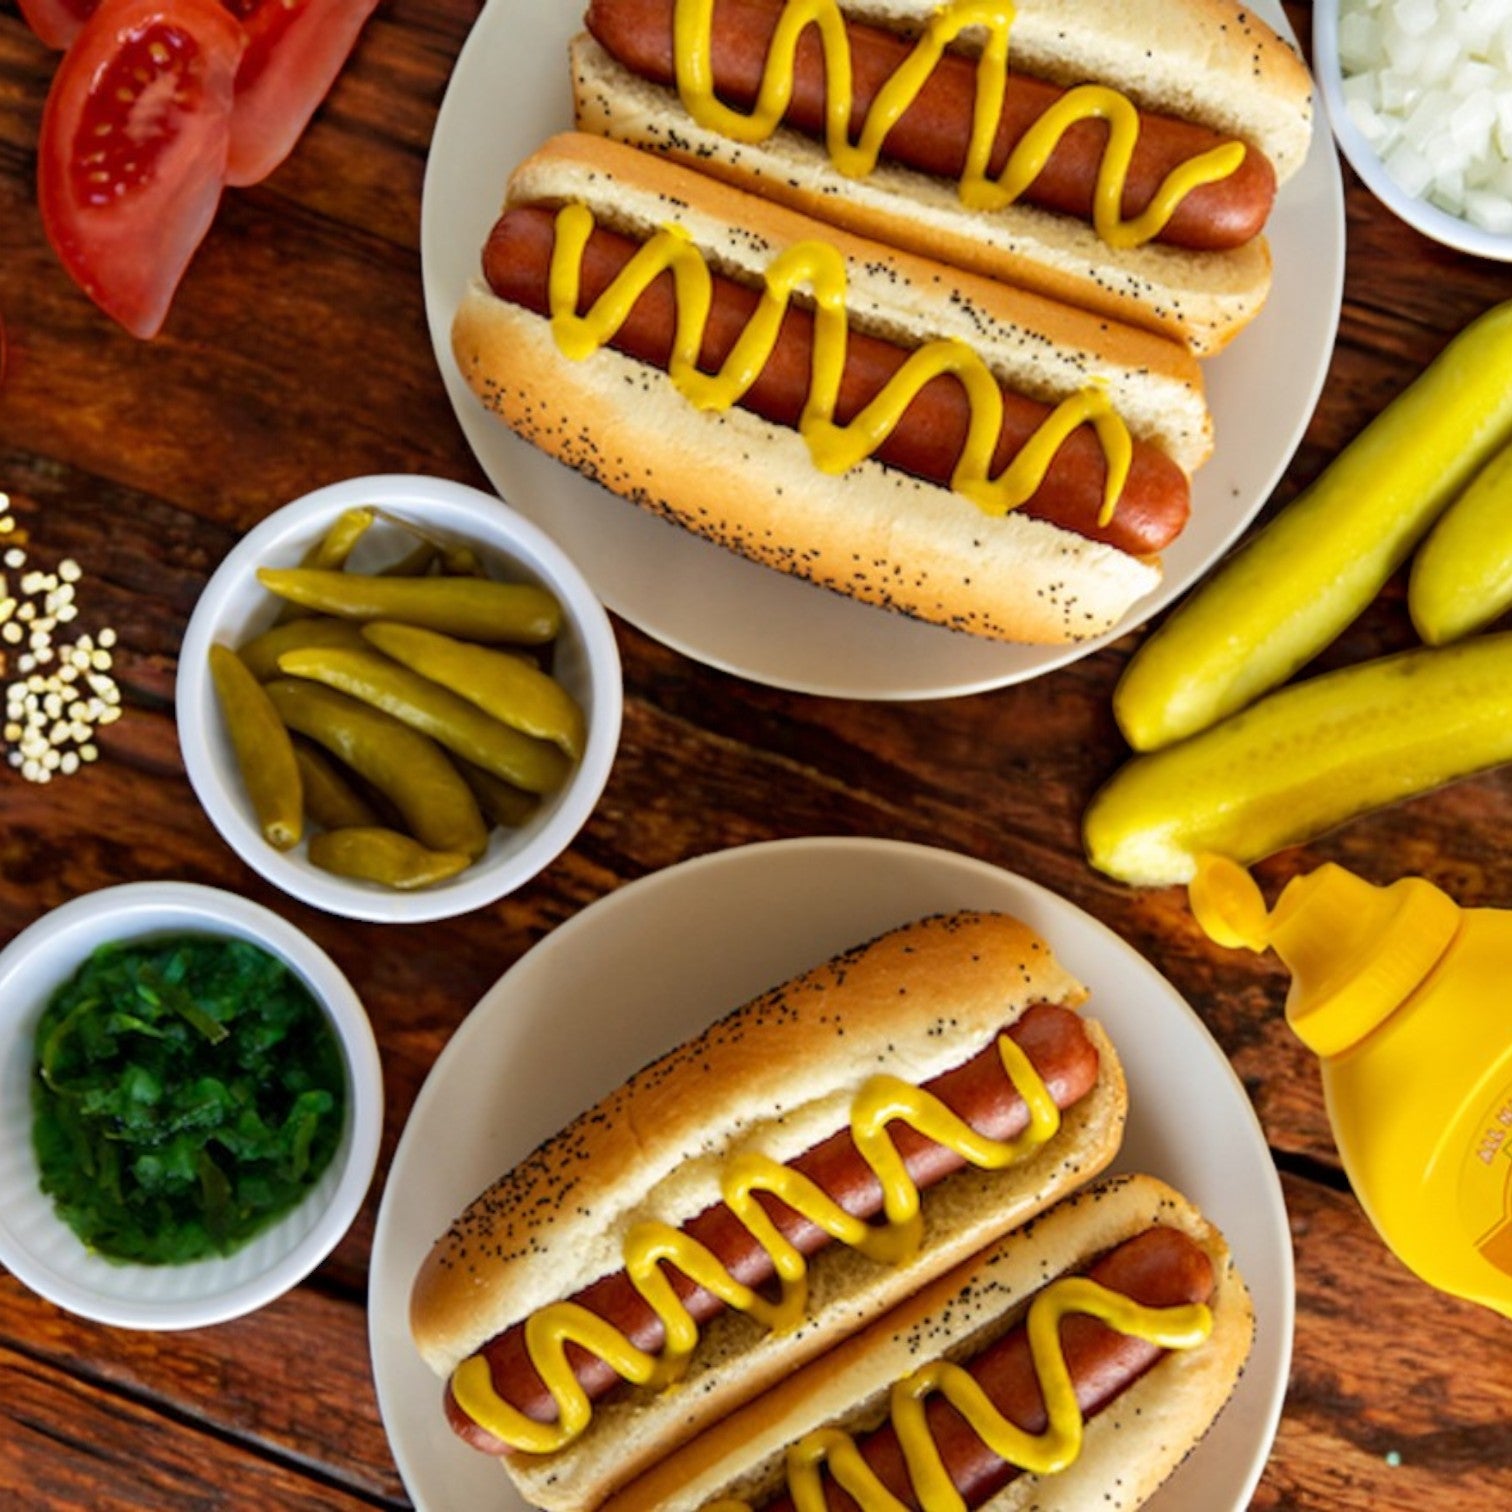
(1054, 1450)
(835, 448)
(692, 54)
(880, 1101)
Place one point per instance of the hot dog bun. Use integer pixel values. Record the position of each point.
(1211, 62)
(777, 1075)
(1130, 1447)
(872, 532)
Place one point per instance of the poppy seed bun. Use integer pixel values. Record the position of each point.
(779, 1075)
(873, 533)
(1214, 62)
(1033, 345)
(1129, 1449)
(1209, 61)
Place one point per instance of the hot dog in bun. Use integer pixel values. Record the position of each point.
(975, 132)
(1124, 1286)
(907, 434)
(742, 1204)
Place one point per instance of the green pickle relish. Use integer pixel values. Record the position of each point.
(188, 1090)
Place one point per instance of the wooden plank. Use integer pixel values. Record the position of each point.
(167, 1420)
(1400, 1397)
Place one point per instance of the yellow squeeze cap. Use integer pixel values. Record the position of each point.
(1356, 952)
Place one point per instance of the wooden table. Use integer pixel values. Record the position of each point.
(297, 354)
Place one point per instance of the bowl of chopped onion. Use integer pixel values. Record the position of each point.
(1419, 95)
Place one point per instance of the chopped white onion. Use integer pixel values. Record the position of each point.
(1416, 18)
(1359, 41)
(1410, 169)
(1491, 212)
(1428, 83)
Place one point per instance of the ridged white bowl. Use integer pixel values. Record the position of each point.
(41, 1250)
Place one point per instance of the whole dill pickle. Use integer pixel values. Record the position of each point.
(1295, 764)
(1462, 575)
(1286, 594)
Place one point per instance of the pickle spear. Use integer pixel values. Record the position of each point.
(1298, 763)
(1288, 593)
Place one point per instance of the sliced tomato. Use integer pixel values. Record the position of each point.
(295, 49)
(133, 149)
(57, 22)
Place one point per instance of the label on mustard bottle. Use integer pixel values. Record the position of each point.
(1485, 1192)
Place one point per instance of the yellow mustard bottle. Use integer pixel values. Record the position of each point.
(1403, 995)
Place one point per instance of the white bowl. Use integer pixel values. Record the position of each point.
(234, 607)
(40, 1249)
(1440, 225)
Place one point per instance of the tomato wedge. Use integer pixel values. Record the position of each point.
(57, 22)
(133, 150)
(295, 49)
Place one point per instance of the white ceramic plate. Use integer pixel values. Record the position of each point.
(510, 91)
(651, 964)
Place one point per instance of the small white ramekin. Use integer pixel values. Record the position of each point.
(234, 607)
(40, 1249)
(1440, 225)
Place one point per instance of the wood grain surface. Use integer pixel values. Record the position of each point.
(297, 354)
